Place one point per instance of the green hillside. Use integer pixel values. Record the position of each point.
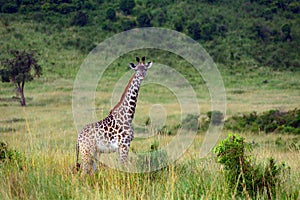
(237, 34)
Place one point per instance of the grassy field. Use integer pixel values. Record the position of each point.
(45, 135)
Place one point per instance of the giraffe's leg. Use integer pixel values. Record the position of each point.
(123, 153)
(87, 157)
(86, 163)
(97, 159)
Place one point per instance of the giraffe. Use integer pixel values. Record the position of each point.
(114, 133)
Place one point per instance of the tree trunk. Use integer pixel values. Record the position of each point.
(23, 102)
(21, 90)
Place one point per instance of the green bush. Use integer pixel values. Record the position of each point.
(127, 6)
(9, 155)
(178, 25)
(215, 117)
(127, 24)
(190, 122)
(66, 8)
(144, 20)
(243, 175)
(111, 14)
(269, 121)
(80, 19)
(232, 154)
(194, 30)
(9, 8)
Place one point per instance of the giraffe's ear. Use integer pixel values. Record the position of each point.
(149, 64)
(132, 66)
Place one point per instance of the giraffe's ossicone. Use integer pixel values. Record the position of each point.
(114, 133)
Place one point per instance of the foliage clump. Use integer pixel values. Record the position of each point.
(215, 117)
(190, 122)
(269, 121)
(8, 155)
(127, 6)
(144, 20)
(243, 175)
(80, 19)
(111, 14)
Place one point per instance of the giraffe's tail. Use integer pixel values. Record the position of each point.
(77, 166)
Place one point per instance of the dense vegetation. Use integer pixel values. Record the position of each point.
(268, 122)
(236, 33)
(244, 174)
(272, 121)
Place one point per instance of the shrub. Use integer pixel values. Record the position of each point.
(286, 31)
(294, 7)
(9, 8)
(190, 122)
(126, 6)
(111, 14)
(243, 174)
(144, 20)
(127, 24)
(80, 19)
(231, 152)
(8, 155)
(66, 8)
(194, 30)
(216, 117)
(269, 121)
(178, 25)
(208, 30)
(38, 16)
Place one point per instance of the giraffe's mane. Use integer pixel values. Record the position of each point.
(123, 95)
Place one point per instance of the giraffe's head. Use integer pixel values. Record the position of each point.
(140, 68)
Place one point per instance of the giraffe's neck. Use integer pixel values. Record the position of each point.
(125, 109)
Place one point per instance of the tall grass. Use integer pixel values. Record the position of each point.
(48, 175)
(45, 135)
(46, 172)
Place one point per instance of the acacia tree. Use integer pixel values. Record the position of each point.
(19, 69)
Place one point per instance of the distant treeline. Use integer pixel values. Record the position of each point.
(239, 33)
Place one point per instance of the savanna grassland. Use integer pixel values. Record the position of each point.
(255, 45)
